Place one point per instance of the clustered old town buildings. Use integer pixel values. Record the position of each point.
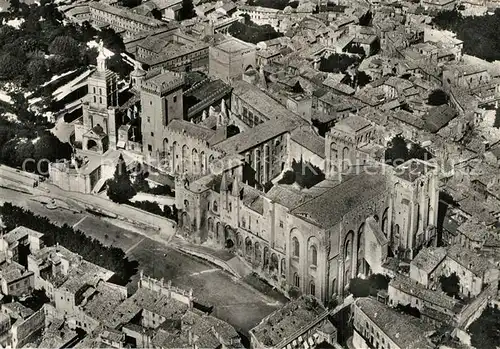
(228, 120)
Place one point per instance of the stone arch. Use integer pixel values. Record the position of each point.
(217, 230)
(175, 163)
(185, 221)
(195, 160)
(210, 224)
(248, 248)
(334, 157)
(347, 254)
(283, 266)
(312, 288)
(274, 263)
(360, 253)
(296, 279)
(385, 222)
(239, 241)
(92, 145)
(258, 253)
(165, 147)
(185, 160)
(345, 159)
(203, 160)
(295, 247)
(395, 237)
(313, 255)
(229, 236)
(265, 257)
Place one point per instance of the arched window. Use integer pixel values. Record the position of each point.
(296, 280)
(313, 255)
(230, 207)
(243, 222)
(210, 224)
(283, 267)
(295, 247)
(312, 288)
(214, 206)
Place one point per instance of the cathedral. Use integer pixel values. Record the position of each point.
(97, 132)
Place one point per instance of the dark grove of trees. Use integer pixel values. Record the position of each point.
(120, 188)
(437, 97)
(111, 258)
(485, 333)
(450, 284)
(276, 4)
(337, 63)
(252, 32)
(366, 287)
(187, 10)
(479, 33)
(305, 174)
(401, 150)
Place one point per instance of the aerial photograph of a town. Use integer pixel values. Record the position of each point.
(250, 174)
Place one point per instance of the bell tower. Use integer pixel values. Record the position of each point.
(414, 206)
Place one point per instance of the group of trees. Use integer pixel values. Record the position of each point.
(479, 33)
(43, 46)
(437, 97)
(450, 285)
(121, 189)
(401, 150)
(305, 174)
(338, 63)
(275, 4)
(366, 287)
(252, 32)
(111, 258)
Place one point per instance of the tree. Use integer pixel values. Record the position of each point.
(409, 310)
(10, 67)
(484, 331)
(140, 182)
(65, 46)
(120, 188)
(437, 97)
(252, 32)
(111, 40)
(50, 149)
(187, 10)
(294, 292)
(337, 63)
(130, 3)
(379, 281)
(450, 284)
(37, 72)
(397, 153)
(359, 287)
(497, 119)
(117, 64)
(156, 14)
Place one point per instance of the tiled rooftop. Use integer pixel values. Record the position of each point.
(413, 288)
(429, 258)
(407, 332)
(284, 322)
(328, 208)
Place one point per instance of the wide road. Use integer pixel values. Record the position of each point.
(233, 301)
